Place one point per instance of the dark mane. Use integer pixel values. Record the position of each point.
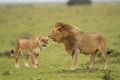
(63, 25)
(70, 35)
(69, 41)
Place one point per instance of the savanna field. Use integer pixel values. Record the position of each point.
(23, 21)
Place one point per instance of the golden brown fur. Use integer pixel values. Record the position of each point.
(30, 48)
(76, 41)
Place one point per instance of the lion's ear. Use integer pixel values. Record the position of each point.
(60, 29)
(62, 26)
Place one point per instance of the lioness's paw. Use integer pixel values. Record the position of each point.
(17, 67)
(73, 69)
(34, 66)
(27, 65)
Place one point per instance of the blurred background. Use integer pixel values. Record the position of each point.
(25, 18)
(54, 1)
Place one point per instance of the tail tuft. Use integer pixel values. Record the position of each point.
(12, 53)
(109, 51)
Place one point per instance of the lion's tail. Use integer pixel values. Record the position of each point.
(16, 51)
(109, 51)
(12, 52)
(17, 48)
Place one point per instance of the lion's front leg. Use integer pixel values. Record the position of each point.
(35, 58)
(75, 57)
(92, 61)
(26, 61)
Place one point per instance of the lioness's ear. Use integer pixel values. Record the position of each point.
(46, 37)
(40, 37)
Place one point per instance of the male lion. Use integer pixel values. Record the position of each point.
(76, 41)
(30, 48)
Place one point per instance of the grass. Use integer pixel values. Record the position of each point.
(54, 61)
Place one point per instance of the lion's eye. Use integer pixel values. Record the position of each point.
(60, 30)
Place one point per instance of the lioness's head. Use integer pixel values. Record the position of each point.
(59, 32)
(43, 41)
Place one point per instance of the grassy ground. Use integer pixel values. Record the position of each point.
(16, 20)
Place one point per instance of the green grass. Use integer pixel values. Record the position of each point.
(54, 61)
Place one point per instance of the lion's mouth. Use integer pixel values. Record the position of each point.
(44, 45)
(54, 39)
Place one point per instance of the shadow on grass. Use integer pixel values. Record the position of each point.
(7, 53)
(80, 70)
(107, 74)
(71, 71)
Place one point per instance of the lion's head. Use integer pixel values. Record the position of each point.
(41, 41)
(44, 41)
(60, 32)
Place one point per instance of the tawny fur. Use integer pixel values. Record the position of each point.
(76, 41)
(30, 48)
